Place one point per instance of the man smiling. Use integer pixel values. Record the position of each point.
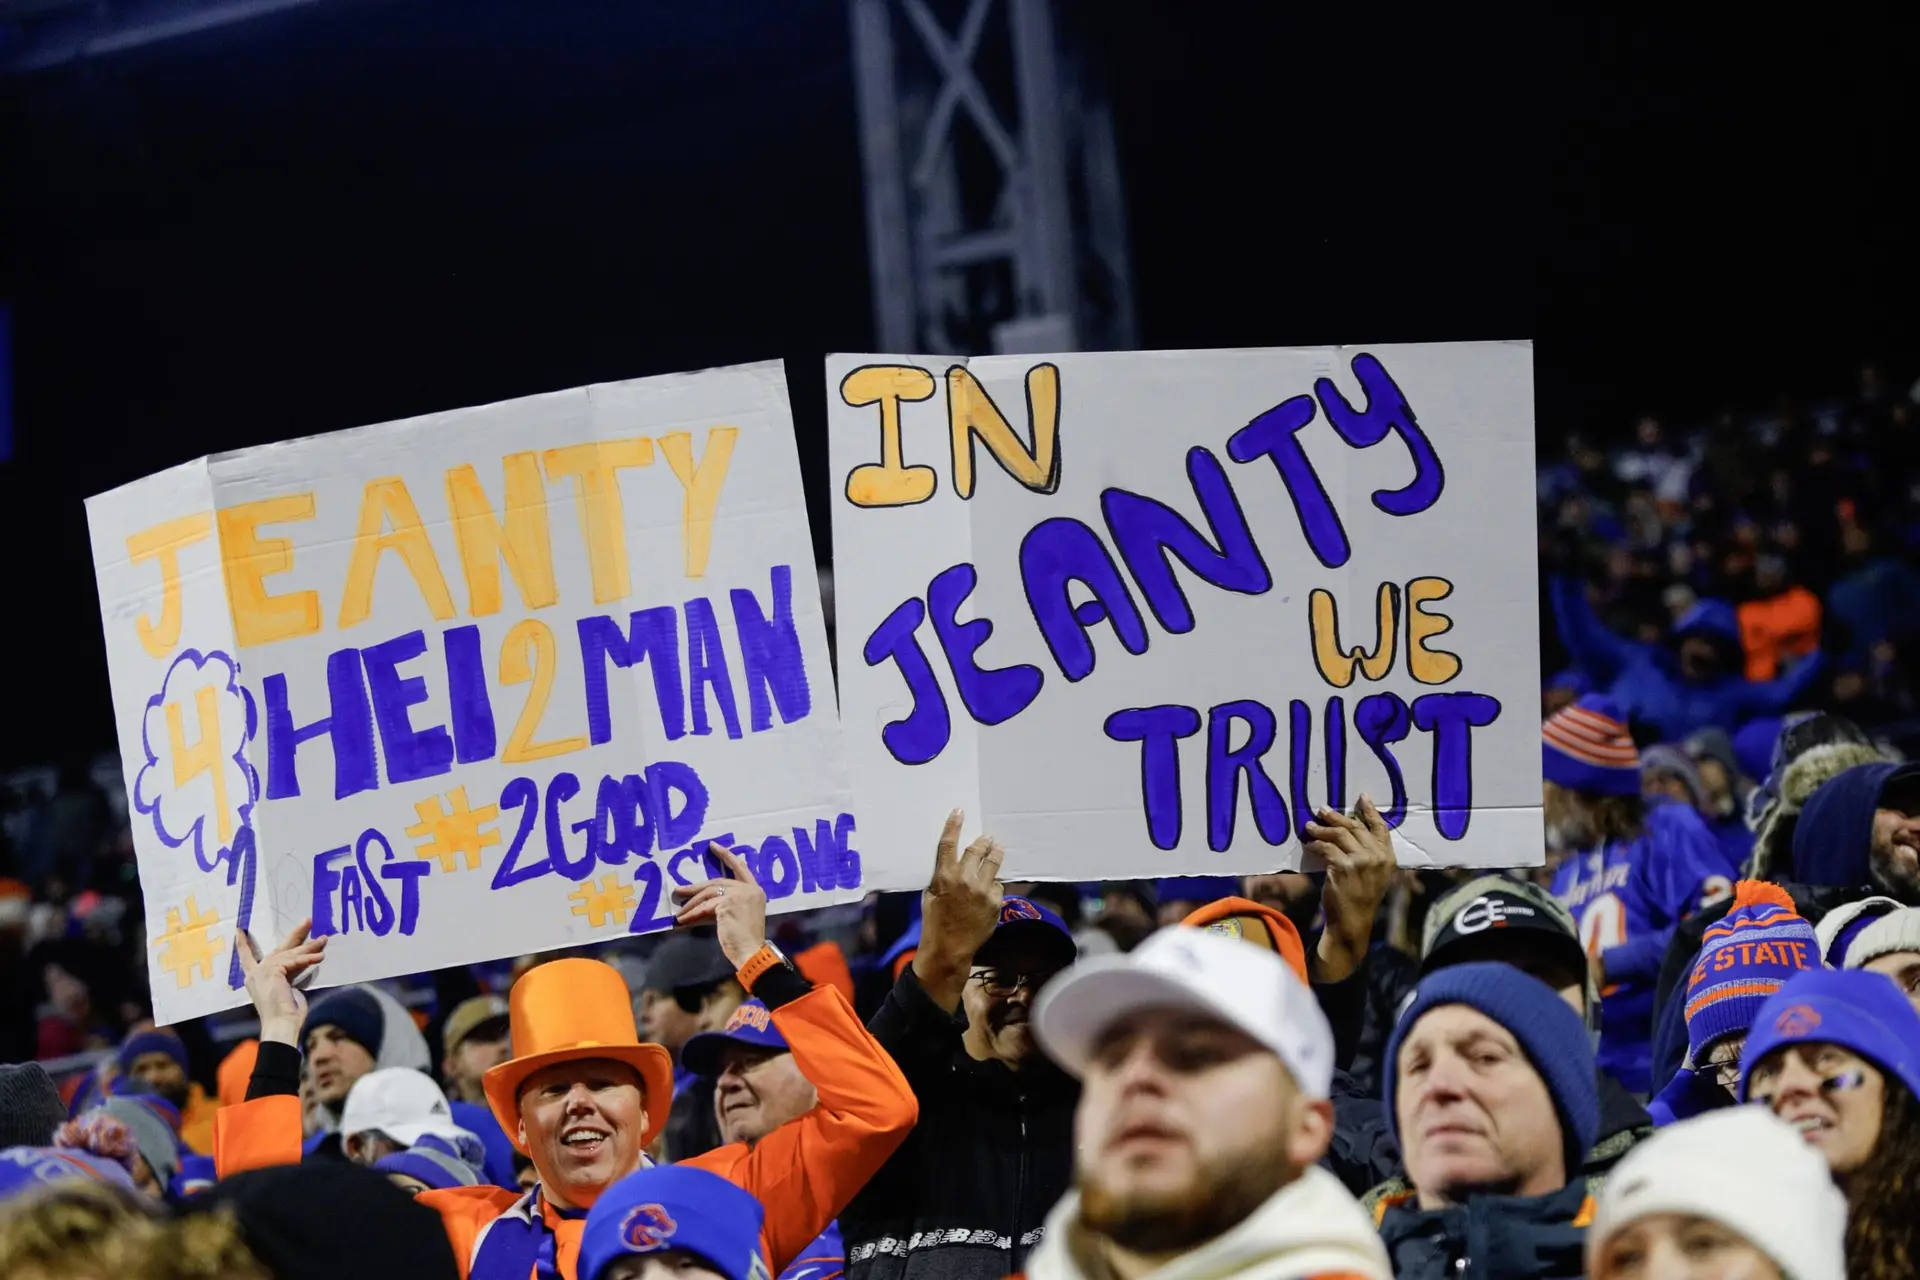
(584, 1097)
(758, 1089)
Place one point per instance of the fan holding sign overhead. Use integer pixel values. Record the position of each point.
(1142, 614)
(475, 684)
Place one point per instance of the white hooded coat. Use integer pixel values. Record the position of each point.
(1311, 1227)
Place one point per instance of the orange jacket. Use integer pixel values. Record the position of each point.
(804, 1172)
(196, 1121)
(1782, 626)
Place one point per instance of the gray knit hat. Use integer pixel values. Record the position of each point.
(1895, 931)
(159, 1146)
(30, 1106)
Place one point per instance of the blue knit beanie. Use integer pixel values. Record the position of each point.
(1858, 1010)
(1551, 1034)
(141, 1043)
(357, 1014)
(1586, 747)
(1745, 957)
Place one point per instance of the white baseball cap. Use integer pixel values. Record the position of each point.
(1244, 986)
(402, 1103)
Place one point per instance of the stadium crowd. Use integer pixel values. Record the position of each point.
(1689, 1046)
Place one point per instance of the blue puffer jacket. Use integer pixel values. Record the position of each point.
(1645, 679)
(1491, 1237)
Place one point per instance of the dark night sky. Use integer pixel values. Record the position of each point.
(372, 208)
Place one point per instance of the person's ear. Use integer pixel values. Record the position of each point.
(520, 1133)
(1311, 1132)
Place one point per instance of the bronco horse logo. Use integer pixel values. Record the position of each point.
(647, 1227)
(1796, 1020)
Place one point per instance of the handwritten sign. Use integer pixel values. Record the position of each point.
(474, 684)
(1142, 614)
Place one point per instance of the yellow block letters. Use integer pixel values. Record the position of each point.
(596, 488)
(165, 541)
(247, 560)
(522, 540)
(387, 500)
(887, 483)
(702, 483)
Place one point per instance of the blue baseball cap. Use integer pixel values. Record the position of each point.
(668, 1207)
(1024, 921)
(751, 1024)
(1856, 1009)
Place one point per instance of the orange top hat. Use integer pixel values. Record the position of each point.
(570, 1011)
(1247, 919)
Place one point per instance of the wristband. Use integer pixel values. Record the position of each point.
(767, 957)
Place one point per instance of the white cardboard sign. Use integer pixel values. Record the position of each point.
(473, 684)
(1141, 613)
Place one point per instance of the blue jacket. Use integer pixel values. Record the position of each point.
(1491, 1237)
(1645, 679)
(1626, 898)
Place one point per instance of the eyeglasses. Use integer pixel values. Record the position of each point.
(1004, 982)
(1838, 1082)
(1726, 1073)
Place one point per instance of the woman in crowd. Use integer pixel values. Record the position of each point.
(1731, 1195)
(1837, 1056)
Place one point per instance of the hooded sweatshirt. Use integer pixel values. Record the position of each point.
(401, 1045)
(1646, 681)
(1309, 1228)
(1833, 841)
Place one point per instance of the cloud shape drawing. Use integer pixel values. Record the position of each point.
(188, 815)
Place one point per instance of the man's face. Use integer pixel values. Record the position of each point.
(1473, 1113)
(369, 1147)
(473, 1059)
(336, 1063)
(668, 1264)
(667, 1022)
(1291, 893)
(1896, 849)
(1664, 783)
(1718, 786)
(581, 1122)
(1904, 968)
(1185, 1126)
(1699, 660)
(999, 1000)
(757, 1091)
(158, 1073)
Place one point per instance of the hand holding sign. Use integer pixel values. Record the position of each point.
(281, 1005)
(734, 904)
(958, 911)
(1360, 866)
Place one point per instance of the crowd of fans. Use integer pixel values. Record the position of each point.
(1689, 1046)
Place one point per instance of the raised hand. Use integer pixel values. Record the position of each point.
(1360, 865)
(734, 904)
(281, 1005)
(958, 911)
